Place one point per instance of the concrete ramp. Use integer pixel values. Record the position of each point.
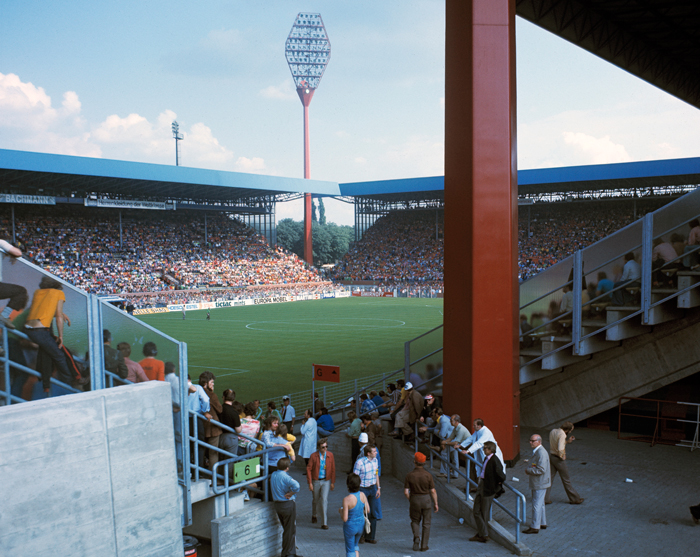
(90, 474)
(642, 364)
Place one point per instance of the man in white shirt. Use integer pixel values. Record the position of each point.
(288, 414)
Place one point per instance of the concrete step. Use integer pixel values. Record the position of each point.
(691, 298)
(562, 358)
(632, 327)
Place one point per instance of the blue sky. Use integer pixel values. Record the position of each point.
(105, 79)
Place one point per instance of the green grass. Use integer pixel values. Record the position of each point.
(263, 351)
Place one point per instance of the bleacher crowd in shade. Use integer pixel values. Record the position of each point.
(402, 247)
(160, 251)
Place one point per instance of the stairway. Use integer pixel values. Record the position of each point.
(584, 360)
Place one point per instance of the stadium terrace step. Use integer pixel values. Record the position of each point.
(689, 299)
(558, 359)
(627, 329)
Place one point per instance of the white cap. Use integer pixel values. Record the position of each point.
(408, 386)
(363, 438)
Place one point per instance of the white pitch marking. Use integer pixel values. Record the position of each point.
(226, 368)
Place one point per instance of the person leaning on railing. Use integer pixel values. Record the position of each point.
(47, 304)
(17, 294)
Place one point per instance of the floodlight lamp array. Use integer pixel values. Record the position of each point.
(308, 50)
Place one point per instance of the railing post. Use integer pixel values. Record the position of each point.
(185, 434)
(576, 317)
(647, 240)
(95, 345)
(407, 360)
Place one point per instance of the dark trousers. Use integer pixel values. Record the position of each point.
(48, 345)
(559, 465)
(420, 508)
(17, 295)
(354, 451)
(374, 509)
(287, 513)
(482, 510)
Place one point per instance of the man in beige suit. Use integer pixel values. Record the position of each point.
(540, 480)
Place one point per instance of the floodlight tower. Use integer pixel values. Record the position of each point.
(308, 51)
(178, 137)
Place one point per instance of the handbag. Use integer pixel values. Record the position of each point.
(368, 524)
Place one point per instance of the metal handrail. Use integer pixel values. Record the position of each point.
(7, 363)
(520, 515)
(655, 437)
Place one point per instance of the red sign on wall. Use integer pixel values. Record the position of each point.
(327, 373)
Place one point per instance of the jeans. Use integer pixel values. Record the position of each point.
(47, 343)
(375, 509)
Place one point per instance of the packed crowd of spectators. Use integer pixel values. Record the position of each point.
(159, 251)
(165, 252)
(557, 231)
(402, 247)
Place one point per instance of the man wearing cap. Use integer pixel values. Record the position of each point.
(491, 478)
(411, 412)
(288, 414)
(419, 489)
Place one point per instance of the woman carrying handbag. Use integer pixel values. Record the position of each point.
(354, 513)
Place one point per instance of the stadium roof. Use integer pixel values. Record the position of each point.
(61, 175)
(672, 172)
(655, 40)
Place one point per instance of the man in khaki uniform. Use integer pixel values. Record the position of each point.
(419, 489)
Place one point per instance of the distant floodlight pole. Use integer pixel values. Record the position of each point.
(308, 51)
(178, 137)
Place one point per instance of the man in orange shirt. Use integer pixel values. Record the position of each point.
(154, 369)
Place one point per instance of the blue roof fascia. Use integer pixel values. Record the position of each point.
(407, 185)
(85, 166)
(616, 171)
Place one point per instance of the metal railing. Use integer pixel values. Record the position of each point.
(660, 411)
(539, 292)
(520, 514)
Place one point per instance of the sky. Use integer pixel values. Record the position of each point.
(106, 79)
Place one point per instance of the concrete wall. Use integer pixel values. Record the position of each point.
(640, 365)
(254, 531)
(90, 474)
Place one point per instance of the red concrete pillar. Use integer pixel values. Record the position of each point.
(481, 218)
(306, 95)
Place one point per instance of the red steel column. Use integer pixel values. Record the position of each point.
(306, 95)
(481, 218)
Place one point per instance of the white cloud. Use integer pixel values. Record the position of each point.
(598, 150)
(360, 160)
(28, 121)
(284, 91)
(256, 165)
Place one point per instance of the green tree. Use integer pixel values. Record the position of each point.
(290, 235)
(321, 212)
(313, 212)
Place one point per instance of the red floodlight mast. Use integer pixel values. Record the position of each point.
(308, 51)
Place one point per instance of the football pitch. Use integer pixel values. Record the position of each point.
(268, 350)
